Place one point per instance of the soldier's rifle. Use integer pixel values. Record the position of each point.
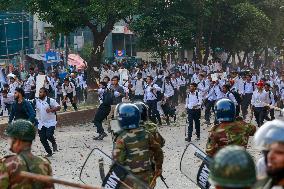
(51, 180)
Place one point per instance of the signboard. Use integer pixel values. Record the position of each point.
(39, 84)
(52, 57)
(122, 30)
(120, 53)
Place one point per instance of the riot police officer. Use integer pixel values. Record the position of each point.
(229, 131)
(21, 133)
(150, 126)
(270, 138)
(232, 167)
(134, 147)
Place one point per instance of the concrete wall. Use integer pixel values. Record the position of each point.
(65, 119)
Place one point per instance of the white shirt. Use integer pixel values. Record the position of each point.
(168, 90)
(68, 89)
(248, 87)
(271, 98)
(46, 119)
(149, 93)
(175, 83)
(211, 96)
(195, 78)
(13, 87)
(193, 99)
(259, 99)
(181, 81)
(218, 92)
(138, 87)
(202, 86)
(28, 85)
(101, 94)
(8, 100)
(229, 95)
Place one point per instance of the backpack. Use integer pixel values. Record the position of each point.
(253, 86)
(159, 95)
(159, 82)
(108, 98)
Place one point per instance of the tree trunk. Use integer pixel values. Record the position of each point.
(96, 59)
(244, 59)
(266, 56)
(239, 57)
(228, 58)
(207, 52)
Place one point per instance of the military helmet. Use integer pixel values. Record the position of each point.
(225, 110)
(127, 115)
(21, 129)
(143, 109)
(268, 133)
(232, 167)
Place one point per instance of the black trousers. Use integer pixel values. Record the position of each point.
(139, 97)
(153, 112)
(59, 98)
(193, 115)
(182, 90)
(209, 105)
(101, 114)
(259, 114)
(70, 96)
(175, 97)
(45, 135)
(272, 115)
(238, 110)
(80, 94)
(246, 101)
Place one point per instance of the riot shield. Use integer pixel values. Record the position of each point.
(101, 169)
(194, 165)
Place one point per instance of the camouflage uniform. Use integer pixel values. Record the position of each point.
(10, 166)
(153, 129)
(134, 149)
(229, 133)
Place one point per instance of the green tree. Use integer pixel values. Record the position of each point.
(67, 16)
(161, 28)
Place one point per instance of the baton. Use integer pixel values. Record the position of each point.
(164, 181)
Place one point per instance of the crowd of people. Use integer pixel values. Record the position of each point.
(38, 102)
(70, 85)
(164, 86)
(135, 102)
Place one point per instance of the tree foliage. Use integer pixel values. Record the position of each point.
(160, 27)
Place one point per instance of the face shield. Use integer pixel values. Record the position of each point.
(270, 132)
